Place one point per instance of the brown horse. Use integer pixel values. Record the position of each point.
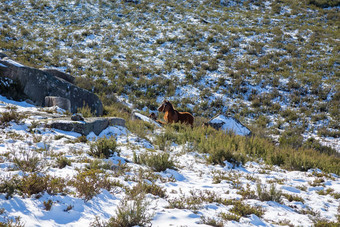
(173, 116)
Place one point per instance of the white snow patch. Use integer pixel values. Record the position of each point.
(231, 124)
(14, 63)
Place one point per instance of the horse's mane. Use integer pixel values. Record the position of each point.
(171, 107)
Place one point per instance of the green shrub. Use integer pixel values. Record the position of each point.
(139, 128)
(293, 198)
(9, 222)
(272, 195)
(222, 147)
(89, 183)
(325, 223)
(230, 217)
(158, 162)
(9, 186)
(48, 204)
(81, 139)
(85, 111)
(325, 132)
(144, 188)
(131, 213)
(29, 160)
(62, 162)
(246, 193)
(324, 3)
(32, 184)
(312, 143)
(219, 156)
(192, 202)
(291, 138)
(244, 210)
(104, 147)
(164, 140)
(11, 115)
(211, 221)
(56, 185)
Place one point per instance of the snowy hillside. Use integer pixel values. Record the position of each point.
(271, 65)
(51, 178)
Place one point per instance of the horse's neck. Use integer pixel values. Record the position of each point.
(171, 115)
(172, 111)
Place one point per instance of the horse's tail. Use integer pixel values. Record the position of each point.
(191, 121)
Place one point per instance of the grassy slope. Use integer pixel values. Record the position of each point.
(274, 65)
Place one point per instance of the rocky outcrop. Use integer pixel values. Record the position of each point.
(37, 84)
(60, 75)
(228, 124)
(96, 125)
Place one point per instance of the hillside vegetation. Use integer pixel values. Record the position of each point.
(273, 64)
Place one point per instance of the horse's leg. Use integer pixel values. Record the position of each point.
(161, 122)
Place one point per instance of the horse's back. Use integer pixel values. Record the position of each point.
(186, 117)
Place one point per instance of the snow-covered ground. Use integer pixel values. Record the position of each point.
(315, 194)
(271, 59)
(225, 55)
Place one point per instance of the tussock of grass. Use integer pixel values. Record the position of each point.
(272, 194)
(144, 188)
(11, 115)
(89, 183)
(128, 213)
(244, 210)
(158, 162)
(104, 147)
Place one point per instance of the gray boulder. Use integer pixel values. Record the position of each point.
(37, 84)
(63, 103)
(61, 75)
(95, 124)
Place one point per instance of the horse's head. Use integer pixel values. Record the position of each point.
(166, 106)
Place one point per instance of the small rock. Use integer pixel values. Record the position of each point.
(77, 117)
(29, 101)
